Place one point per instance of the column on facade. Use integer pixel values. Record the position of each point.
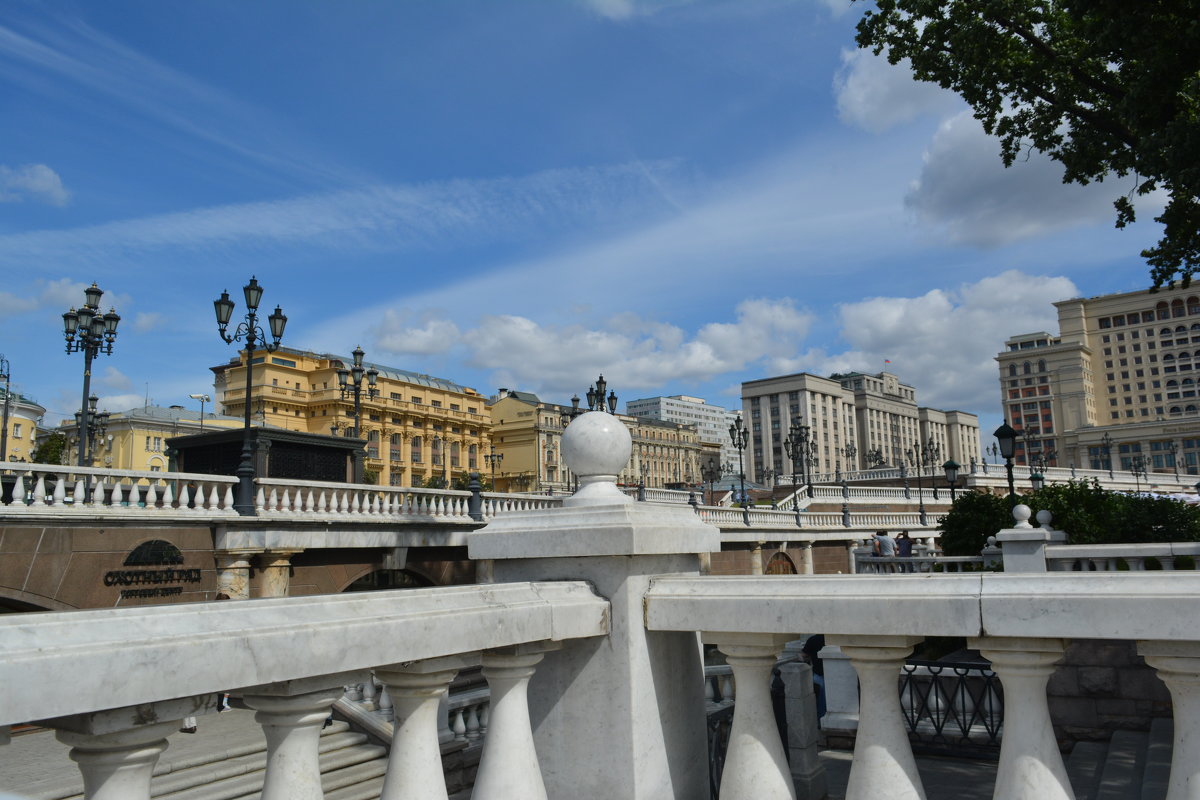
(233, 573)
(806, 558)
(276, 568)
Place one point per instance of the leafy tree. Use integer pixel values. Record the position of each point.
(51, 449)
(973, 517)
(1108, 88)
(370, 476)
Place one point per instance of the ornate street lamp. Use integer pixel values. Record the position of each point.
(253, 335)
(913, 456)
(96, 430)
(710, 473)
(1137, 468)
(597, 401)
(91, 333)
(740, 437)
(1106, 446)
(951, 468)
(1173, 449)
(350, 384)
(1037, 480)
(493, 458)
(1006, 440)
(5, 375)
(849, 451)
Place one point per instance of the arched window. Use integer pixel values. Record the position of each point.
(1172, 384)
(1188, 382)
(416, 450)
(1042, 365)
(1012, 370)
(780, 564)
(1027, 368)
(1190, 409)
(1176, 409)
(1177, 308)
(1168, 357)
(1181, 329)
(1185, 355)
(1165, 332)
(1193, 305)
(1161, 310)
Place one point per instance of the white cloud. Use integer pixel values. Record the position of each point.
(634, 353)
(121, 402)
(12, 304)
(114, 380)
(624, 9)
(944, 342)
(875, 95)
(145, 321)
(32, 182)
(965, 189)
(62, 292)
(402, 332)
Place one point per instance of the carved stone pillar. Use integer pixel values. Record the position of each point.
(756, 766)
(233, 573)
(276, 568)
(756, 559)
(1031, 766)
(883, 766)
(509, 765)
(1178, 664)
(415, 765)
(118, 766)
(292, 724)
(806, 558)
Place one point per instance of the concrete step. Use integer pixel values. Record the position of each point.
(1121, 778)
(1084, 766)
(1158, 760)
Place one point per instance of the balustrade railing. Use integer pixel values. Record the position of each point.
(288, 498)
(1115, 557)
(95, 491)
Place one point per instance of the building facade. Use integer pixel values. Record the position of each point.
(24, 415)
(136, 439)
(858, 420)
(1116, 387)
(711, 422)
(419, 430)
(527, 435)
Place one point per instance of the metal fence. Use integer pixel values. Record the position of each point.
(952, 708)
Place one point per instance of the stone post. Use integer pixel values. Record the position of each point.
(276, 572)
(1178, 664)
(643, 689)
(806, 558)
(233, 573)
(1024, 546)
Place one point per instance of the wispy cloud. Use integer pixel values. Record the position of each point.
(71, 51)
(391, 217)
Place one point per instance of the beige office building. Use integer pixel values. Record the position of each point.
(1116, 386)
(858, 420)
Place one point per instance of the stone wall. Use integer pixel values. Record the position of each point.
(1102, 686)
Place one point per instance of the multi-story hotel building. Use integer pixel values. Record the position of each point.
(711, 422)
(876, 415)
(527, 434)
(1116, 386)
(416, 427)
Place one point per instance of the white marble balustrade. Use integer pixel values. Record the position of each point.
(107, 672)
(1021, 623)
(44, 489)
(1109, 557)
(322, 500)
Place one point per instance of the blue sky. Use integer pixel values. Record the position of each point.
(681, 195)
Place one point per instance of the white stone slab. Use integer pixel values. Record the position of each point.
(327, 536)
(601, 530)
(916, 605)
(75, 662)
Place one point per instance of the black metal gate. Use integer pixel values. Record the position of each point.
(952, 708)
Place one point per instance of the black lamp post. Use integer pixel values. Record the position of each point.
(791, 446)
(350, 384)
(97, 428)
(493, 458)
(1106, 446)
(710, 473)
(1137, 467)
(951, 468)
(1006, 440)
(849, 451)
(596, 399)
(5, 374)
(913, 456)
(1172, 448)
(253, 335)
(91, 333)
(740, 438)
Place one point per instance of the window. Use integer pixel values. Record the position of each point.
(17, 430)
(416, 449)
(416, 400)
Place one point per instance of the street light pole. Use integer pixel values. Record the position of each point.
(1006, 439)
(6, 374)
(739, 436)
(91, 333)
(203, 398)
(252, 334)
(493, 458)
(913, 456)
(1106, 445)
(951, 467)
(350, 384)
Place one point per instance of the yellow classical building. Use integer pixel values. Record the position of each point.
(417, 428)
(24, 415)
(527, 440)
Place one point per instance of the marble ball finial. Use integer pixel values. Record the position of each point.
(1021, 514)
(596, 446)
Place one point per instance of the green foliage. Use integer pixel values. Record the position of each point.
(51, 450)
(370, 476)
(973, 517)
(1088, 513)
(1108, 88)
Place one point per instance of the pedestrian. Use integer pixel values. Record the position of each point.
(885, 545)
(811, 652)
(904, 547)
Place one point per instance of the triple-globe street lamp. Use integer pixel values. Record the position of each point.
(350, 383)
(254, 337)
(89, 332)
(740, 437)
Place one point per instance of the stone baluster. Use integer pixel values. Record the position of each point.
(1178, 664)
(509, 766)
(135, 493)
(169, 495)
(1031, 767)
(755, 763)
(118, 765)
(152, 494)
(806, 558)
(883, 767)
(18, 493)
(260, 500)
(276, 572)
(291, 716)
(285, 501)
(485, 717)
(344, 502)
(1168, 562)
(273, 500)
(459, 726)
(214, 497)
(310, 502)
(118, 494)
(60, 490)
(415, 763)
(851, 563)
(445, 720)
(227, 499)
(370, 693)
(185, 496)
(356, 503)
(39, 490)
(385, 705)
